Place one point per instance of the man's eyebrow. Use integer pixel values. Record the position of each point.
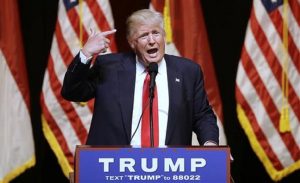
(143, 34)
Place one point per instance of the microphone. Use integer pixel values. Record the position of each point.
(152, 70)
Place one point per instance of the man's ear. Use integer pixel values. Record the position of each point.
(131, 44)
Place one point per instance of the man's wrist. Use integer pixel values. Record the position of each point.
(86, 53)
(83, 58)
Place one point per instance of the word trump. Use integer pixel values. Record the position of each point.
(129, 164)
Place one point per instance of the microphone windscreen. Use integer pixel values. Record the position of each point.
(153, 67)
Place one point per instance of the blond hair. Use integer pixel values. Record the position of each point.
(143, 16)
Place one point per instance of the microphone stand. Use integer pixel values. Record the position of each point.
(152, 69)
(151, 96)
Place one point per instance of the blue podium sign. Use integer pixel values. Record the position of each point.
(192, 164)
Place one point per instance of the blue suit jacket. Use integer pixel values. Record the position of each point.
(111, 81)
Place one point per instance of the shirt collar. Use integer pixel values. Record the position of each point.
(140, 68)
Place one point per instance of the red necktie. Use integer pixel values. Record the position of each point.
(145, 133)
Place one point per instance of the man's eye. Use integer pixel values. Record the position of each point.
(143, 36)
(156, 33)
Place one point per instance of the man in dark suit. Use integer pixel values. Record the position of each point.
(116, 83)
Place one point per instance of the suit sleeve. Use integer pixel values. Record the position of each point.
(80, 81)
(204, 119)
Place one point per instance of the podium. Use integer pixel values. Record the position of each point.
(172, 164)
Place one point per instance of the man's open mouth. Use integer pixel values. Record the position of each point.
(151, 51)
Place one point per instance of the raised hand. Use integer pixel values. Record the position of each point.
(97, 43)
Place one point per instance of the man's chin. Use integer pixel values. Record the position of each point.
(157, 59)
(148, 60)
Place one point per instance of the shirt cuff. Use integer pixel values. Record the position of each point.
(83, 58)
(210, 143)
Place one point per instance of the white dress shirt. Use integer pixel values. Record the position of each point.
(163, 102)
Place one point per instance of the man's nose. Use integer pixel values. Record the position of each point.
(151, 38)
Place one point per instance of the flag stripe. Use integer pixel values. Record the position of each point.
(88, 19)
(67, 56)
(267, 100)
(64, 51)
(84, 112)
(56, 131)
(105, 10)
(17, 147)
(59, 53)
(12, 49)
(293, 27)
(16, 138)
(18, 71)
(70, 121)
(262, 139)
(274, 39)
(77, 125)
(105, 20)
(60, 118)
(74, 19)
(260, 92)
(271, 59)
(295, 7)
(99, 16)
(294, 50)
(67, 29)
(268, 81)
(263, 126)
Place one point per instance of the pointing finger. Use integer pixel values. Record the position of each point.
(108, 32)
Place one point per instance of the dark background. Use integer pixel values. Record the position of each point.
(226, 23)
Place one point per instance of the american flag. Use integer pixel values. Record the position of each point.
(268, 83)
(66, 124)
(186, 36)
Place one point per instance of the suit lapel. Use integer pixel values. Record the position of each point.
(175, 94)
(126, 83)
